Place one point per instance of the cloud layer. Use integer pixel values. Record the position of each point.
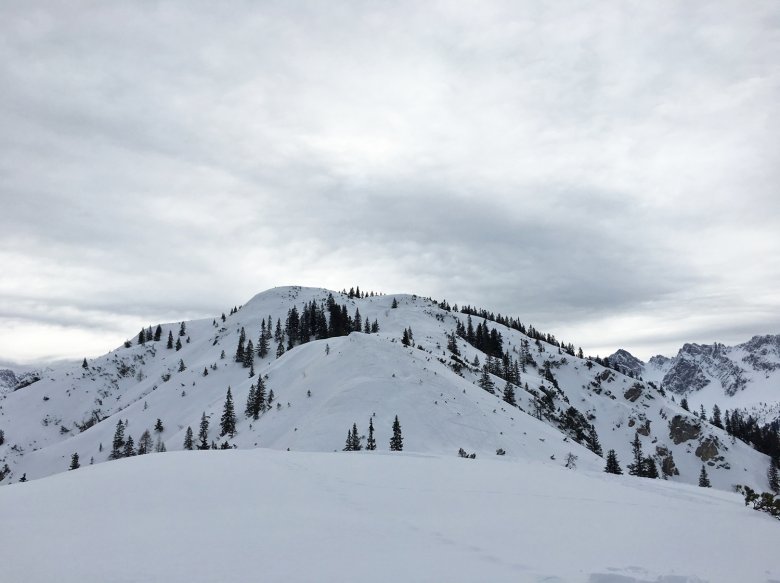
(608, 173)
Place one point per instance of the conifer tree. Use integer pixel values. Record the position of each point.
(509, 394)
(348, 445)
(684, 404)
(182, 329)
(182, 368)
(158, 333)
(394, 304)
(371, 442)
(259, 404)
(650, 469)
(262, 344)
(397, 441)
(158, 426)
(203, 433)
(405, 338)
(613, 466)
(249, 355)
(280, 349)
(357, 322)
(74, 462)
(142, 336)
(188, 443)
(159, 447)
(118, 442)
(228, 421)
(251, 398)
(129, 450)
(170, 340)
(704, 479)
(356, 446)
(637, 467)
(772, 476)
(84, 364)
(178, 344)
(485, 382)
(240, 347)
(593, 442)
(145, 443)
(716, 418)
(375, 327)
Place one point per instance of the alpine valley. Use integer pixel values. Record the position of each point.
(391, 437)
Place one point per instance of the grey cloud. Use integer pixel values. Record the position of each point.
(567, 163)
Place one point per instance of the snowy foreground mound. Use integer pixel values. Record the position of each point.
(262, 515)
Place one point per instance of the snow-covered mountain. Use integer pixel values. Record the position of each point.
(745, 376)
(564, 404)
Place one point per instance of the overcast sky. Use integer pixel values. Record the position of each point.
(605, 171)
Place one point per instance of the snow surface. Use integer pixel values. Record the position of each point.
(263, 515)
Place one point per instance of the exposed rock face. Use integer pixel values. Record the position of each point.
(634, 392)
(659, 361)
(763, 353)
(696, 364)
(626, 362)
(8, 379)
(644, 429)
(668, 468)
(708, 449)
(682, 429)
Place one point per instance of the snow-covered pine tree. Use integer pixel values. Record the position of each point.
(485, 382)
(397, 441)
(145, 443)
(74, 462)
(158, 426)
(188, 443)
(772, 475)
(240, 348)
(250, 401)
(613, 466)
(170, 340)
(704, 479)
(650, 469)
(203, 432)
(356, 446)
(593, 442)
(371, 442)
(118, 442)
(129, 450)
(227, 422)
(637, 467)
(509, 394)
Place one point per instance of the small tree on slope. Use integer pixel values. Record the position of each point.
(397, 441)
(188, 443)
(74, 462)
(613, 466)
(228, 421)
(371, 442)
(203, 433)
(118, 442)
(704, 479)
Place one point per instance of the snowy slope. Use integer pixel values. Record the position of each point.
(262, 515)
(350, 380)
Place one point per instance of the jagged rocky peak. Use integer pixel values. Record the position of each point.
(762, 352)
(659, 361)
(627, 362)
(697, 365)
